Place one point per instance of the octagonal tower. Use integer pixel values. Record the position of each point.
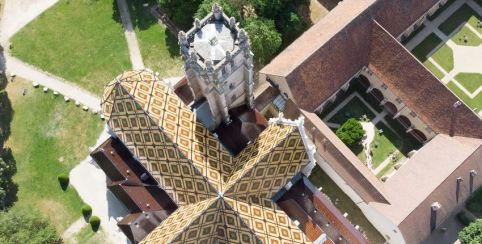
(218, 64)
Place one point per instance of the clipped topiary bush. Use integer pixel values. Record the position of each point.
(63, 180)
(351, 132)
(94, 223)
(86, 211)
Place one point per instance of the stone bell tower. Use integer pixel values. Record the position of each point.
(218, 64)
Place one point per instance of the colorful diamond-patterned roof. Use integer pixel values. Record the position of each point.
(222, 198)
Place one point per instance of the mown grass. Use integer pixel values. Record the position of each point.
(49, 137)
(87, 236)
(444, 56)
(81, 41)
(466, 37)
(471, 81)
(159, 48)
(435, 71)
(355, 108)
(384, 143)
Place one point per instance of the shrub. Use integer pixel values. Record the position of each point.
(474, 204)
(86, 211)
(265, 40)
(351, 132)
(471, 233)
(180, 12)
(94, 223)
(26, 226)
(229, 8)
(63, 180)
(463, 218)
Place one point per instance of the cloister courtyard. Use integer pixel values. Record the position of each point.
(389, 138)
(449, 44)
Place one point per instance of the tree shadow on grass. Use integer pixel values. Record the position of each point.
(7, 183)
(172, 44)
(6, 116)
(115, 12)
(141, 16)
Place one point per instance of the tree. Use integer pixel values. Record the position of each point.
(25, 226)
(8, 189)
(351, 132)
(264, 39)
(228, 8)
(472, 233)
(181, 12)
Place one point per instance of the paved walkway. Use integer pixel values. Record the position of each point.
(18, 13)
(65, 88)
(369, 129)
(90, 182)
(130, 34)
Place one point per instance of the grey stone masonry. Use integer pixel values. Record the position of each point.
(218, 63)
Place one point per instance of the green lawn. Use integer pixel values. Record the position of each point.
(355, 108)
(426, 46)
(462, 15)
(48, 137)
(159, 47)
(388, 168)
(319, 178)
(471, 81)
(475, 103)
(87, 236)
(444, 56)
(384, 143)
(472, 38)
(81, 41)
(435, 71)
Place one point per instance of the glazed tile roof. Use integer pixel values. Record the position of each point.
(221, 197)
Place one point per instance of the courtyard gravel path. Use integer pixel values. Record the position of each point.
(66, 88)
(134, 51)
(74, 228)
(18, 13)
(90, 182)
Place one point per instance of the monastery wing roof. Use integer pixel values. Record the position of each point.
(328, 54)
(419, 89)
(307, 45)
(426, 170)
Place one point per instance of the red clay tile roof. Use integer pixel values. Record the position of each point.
(325, 57)
(407, 78)
(433, 171)
(397, 15)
